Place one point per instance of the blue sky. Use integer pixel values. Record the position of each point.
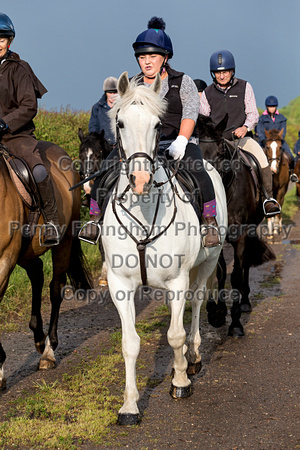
(73, 45)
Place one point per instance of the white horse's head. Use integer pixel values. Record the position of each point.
(136, 121)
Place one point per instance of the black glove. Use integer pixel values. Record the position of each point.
(3, 127)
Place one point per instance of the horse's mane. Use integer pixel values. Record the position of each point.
(274, 134)
(142, 96)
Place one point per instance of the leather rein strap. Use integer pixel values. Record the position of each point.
(118, 200)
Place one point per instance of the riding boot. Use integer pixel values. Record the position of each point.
(91, 231)
(270, 206)
(49, 233)
(210, 232)
(293, 176)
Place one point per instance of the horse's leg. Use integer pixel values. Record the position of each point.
(2, 359)
(60, 262)
(34, 269)
(129, 412)
(245, 302)
(236, 328)
(217, 312)
(103, 275)
(181, 385)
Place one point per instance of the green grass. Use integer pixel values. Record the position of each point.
(83, 405)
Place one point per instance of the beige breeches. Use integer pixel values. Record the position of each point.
(251, 146)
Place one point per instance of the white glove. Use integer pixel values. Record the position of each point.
(177, 148)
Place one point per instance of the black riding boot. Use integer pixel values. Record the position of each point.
(293, 176)
(49, 234)
(270, 205)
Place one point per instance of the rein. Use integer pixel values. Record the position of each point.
(118, 200)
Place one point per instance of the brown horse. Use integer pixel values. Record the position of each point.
(279, 163)
(297, 172)
(15, 248)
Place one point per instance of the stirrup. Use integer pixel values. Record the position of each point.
(54, 239)
(204, 231)
(294, 178)
(271, 199)
(89, 238)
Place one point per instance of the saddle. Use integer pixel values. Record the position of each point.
(26, 187)
(246, 158)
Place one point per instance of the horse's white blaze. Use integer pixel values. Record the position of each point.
(173, 254)
(274, 153)
(88, 167)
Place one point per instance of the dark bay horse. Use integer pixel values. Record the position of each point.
(93, 149)
(67, 257)
(279, 163)
(245, 213)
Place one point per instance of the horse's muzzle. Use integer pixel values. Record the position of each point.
(140, 182)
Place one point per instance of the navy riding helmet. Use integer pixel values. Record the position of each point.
(221, 60)
(7, 28)
(154, 40)
(271, 101)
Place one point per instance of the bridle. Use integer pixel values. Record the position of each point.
(119, 199)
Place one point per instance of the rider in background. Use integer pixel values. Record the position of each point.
(297, 148)
(153, 49)
(99, 119)
(272, 119)
(201, 85)
(19, 90)
(234, 96)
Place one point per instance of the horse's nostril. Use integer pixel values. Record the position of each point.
(132, 179)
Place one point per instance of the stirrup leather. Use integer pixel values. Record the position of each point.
(91, 240)
(276, 204)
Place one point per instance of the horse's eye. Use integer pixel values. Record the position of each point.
(120, 124)
(157, 126)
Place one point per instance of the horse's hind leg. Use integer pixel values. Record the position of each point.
(2, 377)
(217, 312)
(236, 328)
(35, 273)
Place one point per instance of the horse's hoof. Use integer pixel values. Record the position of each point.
(236, 332)
(40, 346)
(194, 368)
(245, 308)
(128, 419)
(46, 364)
(103, 283)
(180, 392)
(217, 320)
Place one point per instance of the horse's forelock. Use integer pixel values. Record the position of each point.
(139, 95)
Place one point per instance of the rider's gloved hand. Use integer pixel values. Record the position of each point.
(3, 127)
(177, 148)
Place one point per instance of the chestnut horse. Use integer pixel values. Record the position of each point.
(245, 213)
(279, 163)
(16, 248)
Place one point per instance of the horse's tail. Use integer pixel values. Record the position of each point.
(257, 251)
(79, 272)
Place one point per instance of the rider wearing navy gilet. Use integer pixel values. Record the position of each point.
(231, 95)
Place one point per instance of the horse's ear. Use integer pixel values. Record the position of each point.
(123, 83)
(267, 133)
(156, 86)
(281, 133)
(221, 127)
(80, 134)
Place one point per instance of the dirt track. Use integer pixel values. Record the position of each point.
(245, 397)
